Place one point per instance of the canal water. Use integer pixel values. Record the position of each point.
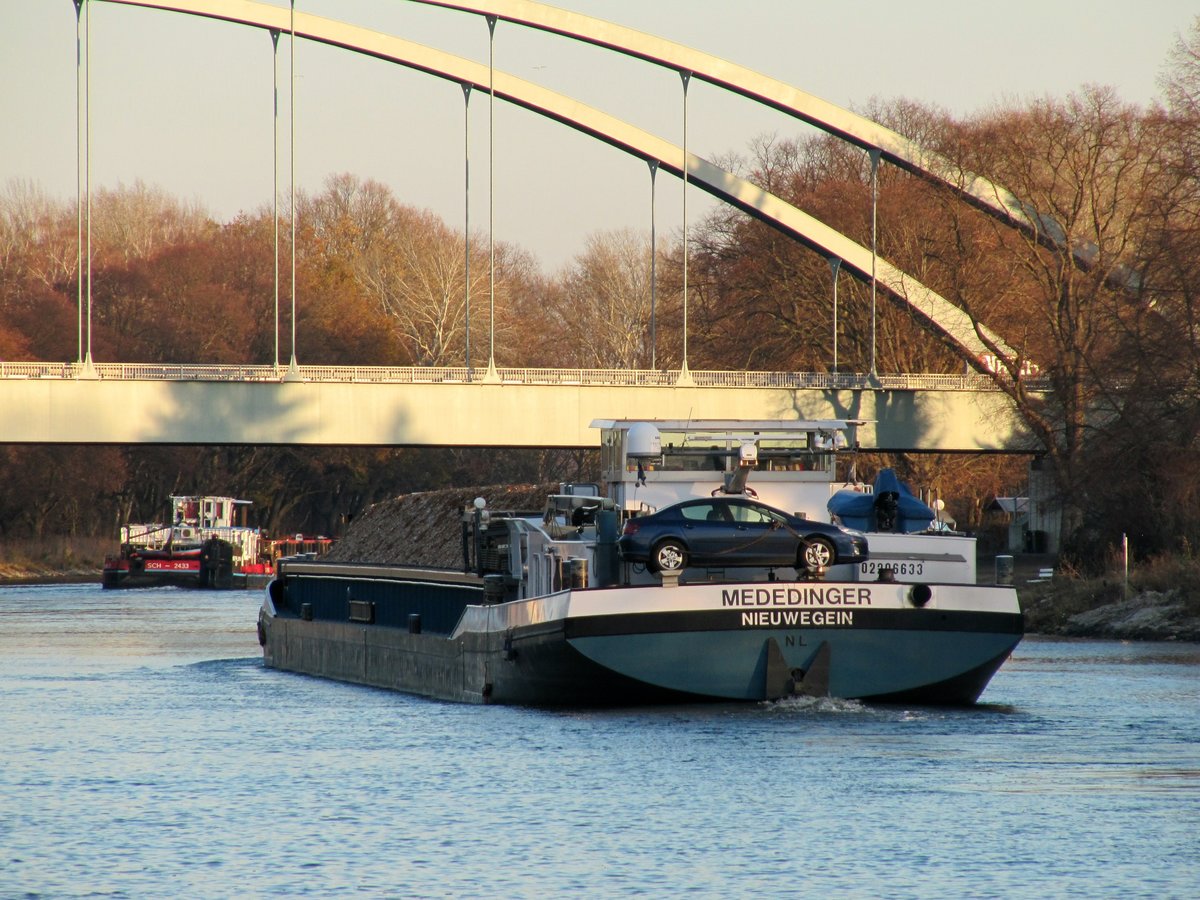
(148, 753)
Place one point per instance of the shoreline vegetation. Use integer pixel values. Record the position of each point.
(1160, 603)
(53, 560)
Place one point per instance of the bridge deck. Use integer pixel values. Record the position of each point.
(122, 403)
(478, 375)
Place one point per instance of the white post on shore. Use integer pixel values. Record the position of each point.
(1125, 554)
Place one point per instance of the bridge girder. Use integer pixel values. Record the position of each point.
(80, 411)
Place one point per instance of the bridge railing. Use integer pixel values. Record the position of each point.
(527, 376)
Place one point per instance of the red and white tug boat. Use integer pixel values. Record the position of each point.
(200, 546)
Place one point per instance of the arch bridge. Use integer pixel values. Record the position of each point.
(90, 402)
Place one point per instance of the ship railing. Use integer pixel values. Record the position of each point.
(149, 535)
(829, 381)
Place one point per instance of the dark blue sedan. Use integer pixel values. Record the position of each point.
(735, 531)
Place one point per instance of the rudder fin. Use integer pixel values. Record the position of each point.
(781, 680)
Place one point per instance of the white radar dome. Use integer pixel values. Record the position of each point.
(644, 441)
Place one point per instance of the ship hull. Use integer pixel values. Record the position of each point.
(115, 578)
(210, 566)
(417, 632)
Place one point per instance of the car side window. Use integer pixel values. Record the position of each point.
(753, 515)
(703, 512)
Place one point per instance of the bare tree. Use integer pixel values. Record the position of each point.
(1180, 79)
(1090, 173)
(605, 306)
(348, 217)
(767, 300)
(136, 221)
(413, 268)
(415, 272)
(37, 236)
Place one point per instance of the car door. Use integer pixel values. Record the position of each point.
(760, 536)
(709, 532)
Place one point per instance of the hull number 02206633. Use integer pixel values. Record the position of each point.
(873, 567)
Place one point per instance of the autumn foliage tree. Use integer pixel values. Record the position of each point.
(410, 269)
(377, 283)
(604, 304)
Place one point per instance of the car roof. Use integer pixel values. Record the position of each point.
(726, 500)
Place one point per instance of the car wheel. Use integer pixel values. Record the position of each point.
(669, 556)
(817, 553)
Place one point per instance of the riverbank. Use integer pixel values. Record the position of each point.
(56, 560)
(1161, 602)
(43, 575)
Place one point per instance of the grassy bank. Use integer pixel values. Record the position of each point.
(52, 558)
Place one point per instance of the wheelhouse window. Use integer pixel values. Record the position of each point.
(714, 455)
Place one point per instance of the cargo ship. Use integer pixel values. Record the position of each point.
(561, 606)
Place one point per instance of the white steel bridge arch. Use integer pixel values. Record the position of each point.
(975, 341)
(833, 119)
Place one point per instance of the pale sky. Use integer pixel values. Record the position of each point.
(184, 103)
